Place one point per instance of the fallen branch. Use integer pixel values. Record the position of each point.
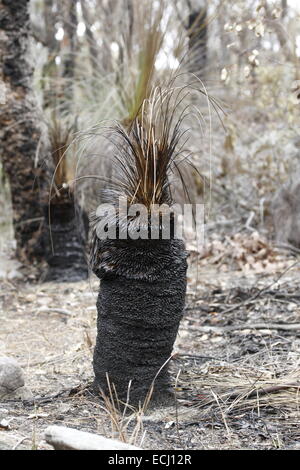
(67, 392)
(256, 392)
(55, 310)
(250, 300)
(62, 438)
(268, 390)
(246, 326)
(287, 246)
(260, 292)
(20, 441)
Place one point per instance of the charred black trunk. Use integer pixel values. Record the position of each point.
(20, 133)
(63, 241)
(140, 305)
(197, 33)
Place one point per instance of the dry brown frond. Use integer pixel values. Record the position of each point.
(126, 421)
(152, 149)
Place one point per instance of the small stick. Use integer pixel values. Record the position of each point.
(245, 326)
(255, 392)
(56, 310)
(19, 442)
(261, 291)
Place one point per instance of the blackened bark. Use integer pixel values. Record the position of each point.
(63, 242)
(140, 305)
(197, 33)
(20, 133)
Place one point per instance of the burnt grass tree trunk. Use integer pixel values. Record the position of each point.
(140, 305)
(63, 240)
(20, 134)
(143, 279)
(65, 229)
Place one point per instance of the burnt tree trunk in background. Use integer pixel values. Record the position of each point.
(284, 6)
(140, 305)
(65, 230)
(49, 78)
(20, 133)
(197, 34)
(69, 57)
(91, 40)
(63, 241)
(285, 212)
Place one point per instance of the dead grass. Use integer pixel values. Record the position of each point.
(269, 380)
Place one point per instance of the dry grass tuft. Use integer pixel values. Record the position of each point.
(126, 421)
(61, 137)
(261, 382)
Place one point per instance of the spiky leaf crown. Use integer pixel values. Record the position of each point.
(147, 153)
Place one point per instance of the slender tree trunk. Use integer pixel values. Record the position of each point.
(197, 33)
(284, 6)
(20, 134)
(92, 43)
(69, 57)
(140, 306)
(280, 31)
(49, 77)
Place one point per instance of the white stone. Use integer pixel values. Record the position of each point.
(11, 375)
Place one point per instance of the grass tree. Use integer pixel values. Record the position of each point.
(143, 280)
(65, 228)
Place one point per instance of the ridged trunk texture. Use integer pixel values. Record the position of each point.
(63, 242)
(20, 134)
(140, 305)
